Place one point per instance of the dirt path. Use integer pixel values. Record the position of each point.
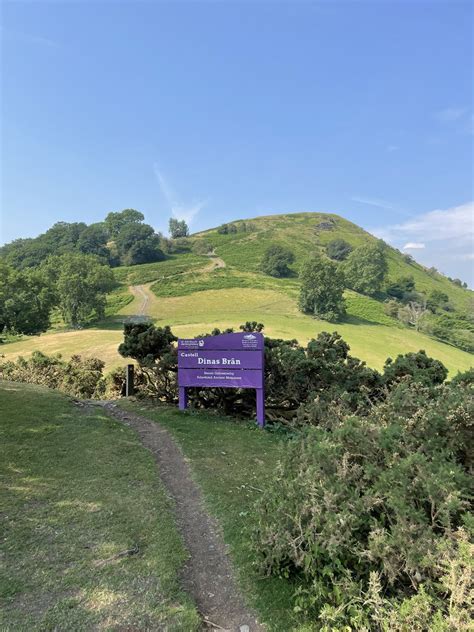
(142, 293)
(207, 575)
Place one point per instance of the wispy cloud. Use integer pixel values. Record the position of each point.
(27, 38)
(381, 203)
(449, 115)
(391, 148)
(179, 210)
(373, 202)
(414, 245)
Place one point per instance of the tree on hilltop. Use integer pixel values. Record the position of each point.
(115, 221)
(178, 228)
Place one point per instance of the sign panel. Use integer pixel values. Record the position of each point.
(224, 361)
(250, 341)
(199, 358)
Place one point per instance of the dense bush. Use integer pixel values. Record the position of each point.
(303, 385)
(276, 261)
(420, 367)
(78, 377)
(338, 249)
(369, 515)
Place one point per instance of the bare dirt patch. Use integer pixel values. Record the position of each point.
(208, 575)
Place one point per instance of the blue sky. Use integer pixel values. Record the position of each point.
(214, 111)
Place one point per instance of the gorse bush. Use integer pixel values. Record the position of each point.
(370, 515)
(78, 377)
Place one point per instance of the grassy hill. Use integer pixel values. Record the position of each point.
(194, 293)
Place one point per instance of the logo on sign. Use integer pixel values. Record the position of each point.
(201, 343)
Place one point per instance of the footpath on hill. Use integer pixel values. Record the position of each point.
(144, 296)
(208, 575)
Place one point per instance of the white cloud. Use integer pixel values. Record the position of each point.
(391, 148)
(178, 210)
(453, 223)
(448, 115)
(443, 238)
(414, 245)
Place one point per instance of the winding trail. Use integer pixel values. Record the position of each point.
(143, 292)
(207, 575)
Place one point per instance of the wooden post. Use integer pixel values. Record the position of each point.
(129, 386)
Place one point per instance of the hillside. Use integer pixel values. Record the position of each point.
(195, 293)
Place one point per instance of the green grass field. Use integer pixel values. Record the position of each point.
(77, 489)
(371, 335)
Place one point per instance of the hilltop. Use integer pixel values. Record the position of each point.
(213, 279)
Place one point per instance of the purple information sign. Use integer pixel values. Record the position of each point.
(227, 360)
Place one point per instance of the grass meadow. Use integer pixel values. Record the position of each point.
(80, 490)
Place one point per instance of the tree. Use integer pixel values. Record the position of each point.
(146, 343)
(115, 221)
(138, 243)
(93, 241)
(26, 300)
(412, 314)
(276, 260)
(338, 249)
(322, 287)
(81, 284)
(401, 287)
(178, 228)
(437, 300)
(365, 269)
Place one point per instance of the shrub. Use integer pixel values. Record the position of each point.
(276, 260)
(420, 367)
(338, 249)
(367, 517)
(78, 377)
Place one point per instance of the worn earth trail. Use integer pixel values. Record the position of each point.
(207, 575)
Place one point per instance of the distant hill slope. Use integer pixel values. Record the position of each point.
(305, 233)
(194, 293)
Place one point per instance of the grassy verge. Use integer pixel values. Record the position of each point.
(229, 460)
(76, 490)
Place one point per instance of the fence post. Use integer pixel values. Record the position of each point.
(129, 386)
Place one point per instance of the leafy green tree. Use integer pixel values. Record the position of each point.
(365, 269)
(276, 260)
(338, 249)
(322, 287)
(115, 221)
(138, 243)
(62, 237)
(81, 284)
(402, 287)
(93, 241)
(26, 300)
(437, 300)
(178, 228)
